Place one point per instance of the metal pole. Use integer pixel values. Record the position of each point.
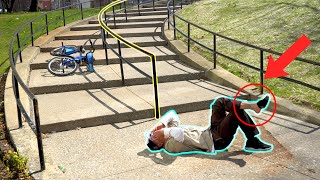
(214, 51)
(173, 6)
(31, 31)
(47, 26)
(104, 45)
(100, 4)
(64, 20)
(125, 11)
(261, 70)
(39, 137)
(153, 5)
(174, 26)
(155, 86)
(81, 9)
(121, 66)
(114, 18)
(188, 37)
(139, 7)
(16, 90)
(19, 47)
(181, 4)
(169, 18)
(105, 17)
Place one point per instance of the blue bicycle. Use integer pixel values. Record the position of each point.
(64, 64)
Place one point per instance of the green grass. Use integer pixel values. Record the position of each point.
(271, 24)
(9, 23)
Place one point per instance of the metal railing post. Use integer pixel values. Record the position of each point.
(31, 31)
(155, 86)
(181, 4)
(121, 66)
(19, 47)
(214, 51)
(100, 4)
(174, 26)
(114, 18)
(125, 11)
(17, 94)
(47, 26)
(139, 7)
(188, 37)
(173, 6)
(39, 137)
(103, 34)
(169, 18)
(261, 71)
(64, 20)
(153, 5)
(81, 9)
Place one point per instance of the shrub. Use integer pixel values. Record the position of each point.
(15, 162)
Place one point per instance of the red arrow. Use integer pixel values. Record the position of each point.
(275, 68)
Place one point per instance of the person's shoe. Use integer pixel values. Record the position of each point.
(263, 102)
(256, 145)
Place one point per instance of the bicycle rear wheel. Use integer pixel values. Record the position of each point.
(62, 66)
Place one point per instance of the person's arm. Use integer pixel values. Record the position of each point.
(175, 132)
(170, 119)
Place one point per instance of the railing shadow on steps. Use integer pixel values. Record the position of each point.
(15, 54)
(172, 22)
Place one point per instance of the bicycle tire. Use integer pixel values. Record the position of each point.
(55, 66)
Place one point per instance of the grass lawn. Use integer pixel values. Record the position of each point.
(9, 23)
(271, 24)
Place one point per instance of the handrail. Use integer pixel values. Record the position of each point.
(134, 46)
(16, 79)
(171, 12)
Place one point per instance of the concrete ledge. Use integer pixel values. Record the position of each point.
(225, 78)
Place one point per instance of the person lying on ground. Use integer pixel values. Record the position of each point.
(175, 138)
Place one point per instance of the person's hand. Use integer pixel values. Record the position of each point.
(158, 137)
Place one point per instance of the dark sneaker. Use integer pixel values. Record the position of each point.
(263, 102)
(256, 145)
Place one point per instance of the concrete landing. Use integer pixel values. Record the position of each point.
(140, 41)
(69, 110)
(95, 34)
(132, 55)
(118, 151)
(42, 81)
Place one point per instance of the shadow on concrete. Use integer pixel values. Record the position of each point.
(167, 159)
(305, 125)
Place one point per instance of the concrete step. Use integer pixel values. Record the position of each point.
(164, 5)
(143, 13)
(133, 19)
(140, 41)
(96, 34)
(132, 55)
(70, 110)
(87, 27)
(142, 9)
(42, 82)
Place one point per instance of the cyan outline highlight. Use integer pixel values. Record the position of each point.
(147, 134)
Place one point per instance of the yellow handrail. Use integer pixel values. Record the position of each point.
(136, 47)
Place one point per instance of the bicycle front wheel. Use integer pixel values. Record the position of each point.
(62, 66)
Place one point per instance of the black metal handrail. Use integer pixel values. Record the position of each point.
(105, 29)
(18, 82)
(171, 12)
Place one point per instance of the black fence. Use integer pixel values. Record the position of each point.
(15, 55)
(213, 49)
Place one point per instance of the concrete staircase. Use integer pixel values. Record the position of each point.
(91, 99)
